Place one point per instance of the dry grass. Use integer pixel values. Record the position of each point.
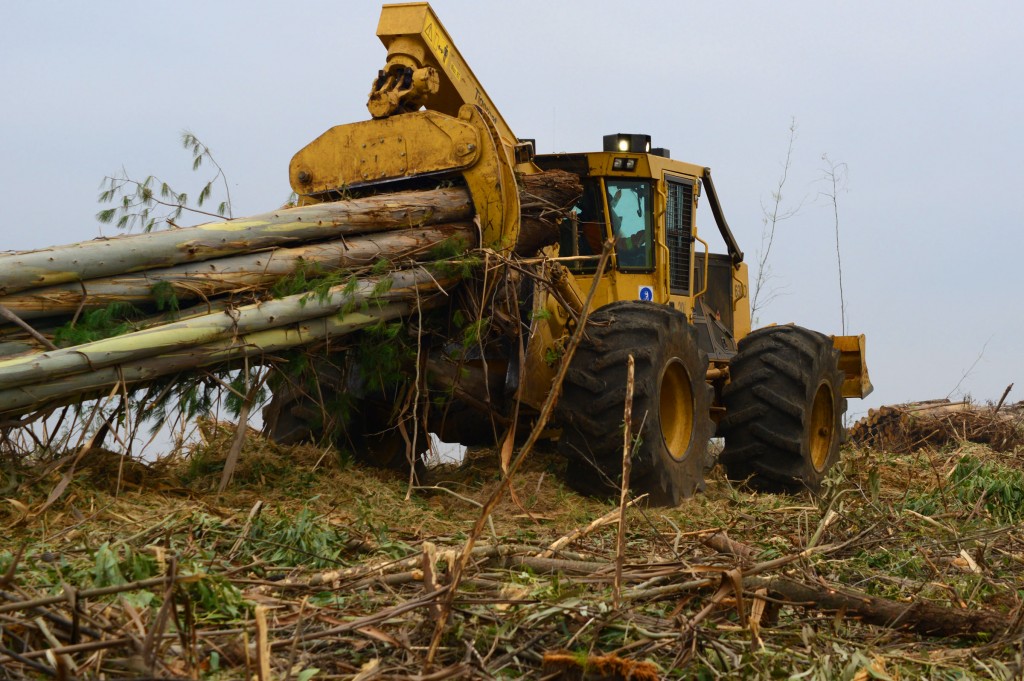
(330, 557)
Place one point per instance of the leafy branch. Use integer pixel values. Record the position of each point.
(150, 203)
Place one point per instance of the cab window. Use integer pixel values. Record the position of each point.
(629, 208)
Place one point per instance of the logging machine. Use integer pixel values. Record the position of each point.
(777, 394)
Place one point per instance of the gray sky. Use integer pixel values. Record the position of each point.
(921, 100)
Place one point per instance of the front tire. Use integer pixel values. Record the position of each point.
(784, 410)
(671, 404)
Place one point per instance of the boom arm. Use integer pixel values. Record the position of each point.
(424, 68)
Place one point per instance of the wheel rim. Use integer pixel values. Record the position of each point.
(822, 426)
(676, 404)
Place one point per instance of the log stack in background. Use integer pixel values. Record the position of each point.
(903, 428)
(221, 275)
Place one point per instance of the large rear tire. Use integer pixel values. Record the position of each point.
(784, 410)
(671, 404)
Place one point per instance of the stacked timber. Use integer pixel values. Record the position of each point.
(210, 295)
(903, 428)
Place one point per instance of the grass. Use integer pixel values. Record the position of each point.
(937, 526)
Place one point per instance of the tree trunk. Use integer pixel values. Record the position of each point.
(99, 383)
(107, 257)
(234, 274)
(175, 336)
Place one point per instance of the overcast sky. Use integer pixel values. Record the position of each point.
(922, 101)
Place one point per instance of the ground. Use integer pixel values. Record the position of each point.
(312, 568)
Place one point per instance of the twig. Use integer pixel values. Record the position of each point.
(253, 512)
(627, 436)
(607, 518)
(1003, 398)
(8, 577)
(262, 644)
(15, 319)
(241, 429)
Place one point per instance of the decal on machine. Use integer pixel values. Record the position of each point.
(646, 294)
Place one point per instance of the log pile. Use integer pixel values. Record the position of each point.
(204, 296)
(903, 428)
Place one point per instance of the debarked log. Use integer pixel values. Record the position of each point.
(107, 257)
(236, 274)
(545, 197)
(48, 366)
(79, 387)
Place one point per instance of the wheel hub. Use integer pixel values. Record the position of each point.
(822, 427)
(676, 405)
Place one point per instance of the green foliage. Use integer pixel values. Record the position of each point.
(314, 281)
(1000, 489)
(384, 356)
(106, 570)
(151, 203)
(240, 386)
(165, 297)
(976, 484)
(540, 315)
(214, 599)
(304, 540)
(382, 287)
(112, 320)
(451, 257)
(474, 332)
(187, 396)
(119, 565)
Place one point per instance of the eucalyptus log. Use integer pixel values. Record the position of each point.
(258, 345)
(107, 257)
(902, 428)
(234, 274)
(544, 197)
(48, 366)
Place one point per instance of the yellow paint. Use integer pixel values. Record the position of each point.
(853, 364)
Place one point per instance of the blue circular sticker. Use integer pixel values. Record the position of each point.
(646, 293)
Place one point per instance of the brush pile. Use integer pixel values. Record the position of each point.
(938, 423)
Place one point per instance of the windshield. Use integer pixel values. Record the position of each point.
(629, 207)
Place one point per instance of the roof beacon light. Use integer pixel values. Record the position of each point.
(638, 144)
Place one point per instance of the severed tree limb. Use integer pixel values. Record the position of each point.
(607, 519)
(918, 616)
(15, 319)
